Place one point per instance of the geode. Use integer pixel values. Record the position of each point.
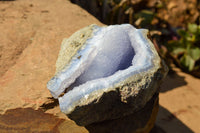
(104, 73)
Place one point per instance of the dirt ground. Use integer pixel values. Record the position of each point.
(30, 37)
(179, 103)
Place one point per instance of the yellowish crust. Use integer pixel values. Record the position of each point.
(70, 46)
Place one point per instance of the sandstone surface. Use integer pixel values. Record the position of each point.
(31, 33)
(21, 20)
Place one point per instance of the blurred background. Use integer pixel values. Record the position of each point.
(173, 24)
(31, 32)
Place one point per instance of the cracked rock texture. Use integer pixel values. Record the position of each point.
(31, 32)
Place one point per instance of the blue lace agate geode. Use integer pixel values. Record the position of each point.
(107, 72)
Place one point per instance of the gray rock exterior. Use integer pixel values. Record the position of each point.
(118, 100)
(141, 121)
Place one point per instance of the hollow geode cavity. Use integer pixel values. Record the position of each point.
(106, 73)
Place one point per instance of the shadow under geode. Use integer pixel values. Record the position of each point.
(166, 122)
(172, 81)
(50, 104)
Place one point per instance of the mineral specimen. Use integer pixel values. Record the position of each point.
(106, 73)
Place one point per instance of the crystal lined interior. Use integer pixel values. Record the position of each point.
(110, 58)
(111, 55)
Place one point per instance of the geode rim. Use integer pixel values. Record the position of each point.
(142, 79)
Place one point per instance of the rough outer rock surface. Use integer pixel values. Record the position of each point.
(110, 106)
(141, 121)
(121, 99)
(31, 33)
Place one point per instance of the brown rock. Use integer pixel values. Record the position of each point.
(26, 120)
(31, 32)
